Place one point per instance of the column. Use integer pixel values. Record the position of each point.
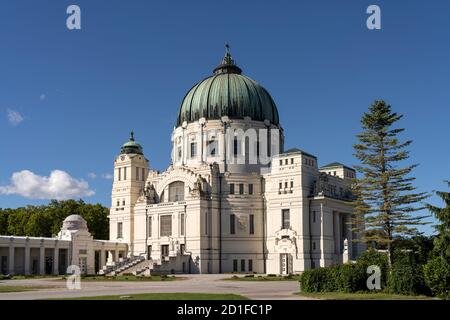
(42, 259)
(11, 258)
(56, 260)
(337, 233)
(102, 258)
(27, 258)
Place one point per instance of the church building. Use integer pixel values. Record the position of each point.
(215, 211)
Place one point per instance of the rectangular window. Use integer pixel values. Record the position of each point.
(232, 224)
(165, 250)
(182, 248)
(119, 230)
(281, 185)
(165, 226)
(124, 173)
(231, 188)
(123, 202)
(182, 227)
(250, 188)
(252, 224)
(118, 203)
(206, 223)
(137, 174)
(235, 265)
(281, 162)
(314, 216)
(143, 174)
(286, 162)
(292, 184)
(314, 246)
(241, 188)
(285, 219)
(193, 149)
(250, 265)
(149, 227)
(286, 184)
(292, 161)
(236, 147)
(242, 265)
(212, 147)
(120, 173)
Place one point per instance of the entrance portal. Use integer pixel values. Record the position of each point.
(285, 263)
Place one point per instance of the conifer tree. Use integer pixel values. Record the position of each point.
(387, 202)
(442, 241)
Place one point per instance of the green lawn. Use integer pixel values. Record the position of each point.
(361, 296)
(263, 278)
(129, 278)
(165, 296)
(6, 289)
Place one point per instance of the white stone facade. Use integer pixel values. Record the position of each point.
(207, 214)
(73, 246)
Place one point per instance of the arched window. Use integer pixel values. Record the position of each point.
(176, 191)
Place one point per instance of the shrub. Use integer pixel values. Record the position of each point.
(350, 278)
(437, 277)
(372, 257)
(249, 276)
(318, 280)
(5, 277)
(406, 275)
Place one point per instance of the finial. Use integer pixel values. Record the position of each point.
(227, 65)
(132, 135)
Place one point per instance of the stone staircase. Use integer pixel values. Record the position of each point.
(121, 266)
(143, 268)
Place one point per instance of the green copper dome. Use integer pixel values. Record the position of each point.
(131, 147)
(228, 93)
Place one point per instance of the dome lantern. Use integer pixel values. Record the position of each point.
(131, 147)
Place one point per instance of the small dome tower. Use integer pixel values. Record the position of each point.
(130, 174)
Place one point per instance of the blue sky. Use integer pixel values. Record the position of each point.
(68, 99)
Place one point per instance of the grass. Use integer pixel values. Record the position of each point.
(130, 278)
(165, 296)
(252, 277)
(361, 296)
(6, 289)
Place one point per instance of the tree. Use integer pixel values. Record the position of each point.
(442, 241)
(386, 198)
(437, 270)
(46, 220)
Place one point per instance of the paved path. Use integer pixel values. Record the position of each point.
(271, 290)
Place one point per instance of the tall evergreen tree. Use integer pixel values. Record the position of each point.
(442, 241)
(387, 202)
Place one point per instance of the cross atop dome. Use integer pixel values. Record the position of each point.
(227, 64)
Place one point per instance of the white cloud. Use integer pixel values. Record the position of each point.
(14, 117)
(107, 176)
(59, 185)
(42, 97)
(92, 175)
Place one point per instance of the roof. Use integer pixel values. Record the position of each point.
(227, 93)
(337, 165)
(131, 147)
(296, 151)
